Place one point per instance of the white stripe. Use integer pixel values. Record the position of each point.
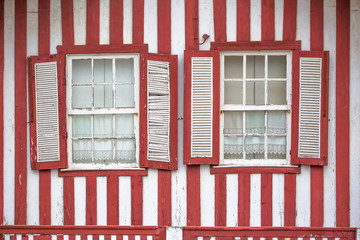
(80, 200)
(150, 198)
(125, 200)
(207, 196)
(278, 200)
(9, 111)
(55, 25)
(150, 25)
(79, 22)
(303, 197)
(255, 200)
(354, 114)
(101, 188)
(231, 20)
(330, 169)
(174, 233)
(303, 24)
(232, 200)
(255, 20)
(128, 22)
(57, 203)
(279, 19)
(206, 23)
(104, 23)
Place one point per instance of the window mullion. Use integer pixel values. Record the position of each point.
(92, 139)
(265, 136)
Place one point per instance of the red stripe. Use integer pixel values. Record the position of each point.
(69, 201)
(266, 199)
(191, 24)
(113, 200)
(244, 200)
(193, 195)
(92, 22)
(164, 26)
(138, 21)
(267, 20)
(164, 198)
(342, 111)
(316, 25)
(290, 200)
(220, 200)
(220, 20)
(20, 111)
(45, 175)
(289, 23)
(136, 200)
(91, 201)
(243, 20)
(2, 112)
(116, 21)
(67, 22)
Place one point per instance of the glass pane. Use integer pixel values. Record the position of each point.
(277, 66)
(233, 67)
(254, 147)
(124, 70)
(276, 122)
(103, 96)
(125, 126)
(277, 92)
(125, 96)
(103, 126)
(81, 151)
(81, 126)
(255, 122)
(255, 67)
(233, 147)
(233, 123)
(103, 70)
(233, 92)
(82, 96)
(81, 71)
(103, 152)
(255, 93)
(276, 147)
(125, 151)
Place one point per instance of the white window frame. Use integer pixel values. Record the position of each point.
(70, 111)
(234, 107)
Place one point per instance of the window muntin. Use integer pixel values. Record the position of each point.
(255, 102)
(102, 111)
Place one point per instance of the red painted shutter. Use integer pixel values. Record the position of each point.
(47, 113)
(309, 108)
(158, 112)
(201, 107)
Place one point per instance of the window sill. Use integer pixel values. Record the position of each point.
(103, 173)
(226, 169)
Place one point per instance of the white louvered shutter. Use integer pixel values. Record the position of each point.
(47, 114)
(201, 106)
(158, 76)
(310, 108)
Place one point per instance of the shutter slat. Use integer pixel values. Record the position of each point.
(47, 115)
(310, 108)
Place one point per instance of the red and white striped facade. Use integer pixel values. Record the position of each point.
(326, 196)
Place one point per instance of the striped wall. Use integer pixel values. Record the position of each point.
(317, 196)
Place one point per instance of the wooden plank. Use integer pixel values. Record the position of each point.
(92, 22)
(220, 200)
(136, 200)
(289, 23)
(267, 20)
(116, 21)
(243, 20)
(67, 19)
(138, 21)
(113, 200)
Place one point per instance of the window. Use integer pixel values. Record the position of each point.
(255, 103)
(102, 111)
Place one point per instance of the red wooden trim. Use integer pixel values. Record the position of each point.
(193, 195)
(136, 200)
(91, 203)
(20, 111)
(220, 20)
(267, 20)
(164, 26)
(67, 22)
(113, 200)
(164, 198)
(266, 199)
(220, 200)
(44, 27)
(98, 173)
(316, 25)
(289, 25)
(113, 48)
(92, 22)
(116, 21)
(191, 24)
(241, 170)
(256, 45)
(2, 113)
(69, 207)
(243, 20)
(244, 199)
(138, 21)
(289, 199)
(342, 112)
